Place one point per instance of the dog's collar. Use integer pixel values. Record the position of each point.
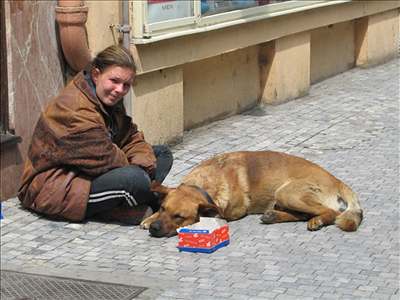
(204, 193)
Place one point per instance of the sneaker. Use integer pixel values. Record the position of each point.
(128, 215)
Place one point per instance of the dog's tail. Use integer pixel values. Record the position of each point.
(351, 217)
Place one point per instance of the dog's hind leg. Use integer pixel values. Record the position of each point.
(272, 216)
(300, 196)
(326, 218)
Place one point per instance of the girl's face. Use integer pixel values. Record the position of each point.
(113, 83)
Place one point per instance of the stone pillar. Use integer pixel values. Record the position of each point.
(285, 68)
(158, 105)
(377, 38)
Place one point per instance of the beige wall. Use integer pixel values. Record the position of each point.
(220, 86)
(195, 47)
(101, 15)
(287, 69)
(377, 38)
(158, 105)
(383, 36)
(332, 50)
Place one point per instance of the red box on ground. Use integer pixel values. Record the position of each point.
(206, 236)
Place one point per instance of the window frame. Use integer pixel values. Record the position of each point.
(143, 32)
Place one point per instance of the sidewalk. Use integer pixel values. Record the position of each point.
(349, 124)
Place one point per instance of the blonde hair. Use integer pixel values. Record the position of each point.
(114, 55)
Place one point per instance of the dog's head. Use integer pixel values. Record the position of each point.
(180, 207)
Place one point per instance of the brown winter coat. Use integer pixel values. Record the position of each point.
(73, 143)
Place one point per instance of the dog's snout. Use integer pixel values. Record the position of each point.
(155, 229)
(156, 225)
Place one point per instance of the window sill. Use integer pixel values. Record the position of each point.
(8, 139)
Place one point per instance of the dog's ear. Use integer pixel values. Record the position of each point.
(159, 188)
(209, 210)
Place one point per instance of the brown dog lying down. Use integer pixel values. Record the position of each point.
(282, 187)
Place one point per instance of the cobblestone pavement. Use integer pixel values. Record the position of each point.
(349, 124)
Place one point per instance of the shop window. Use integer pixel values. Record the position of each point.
(161, 10)
(212, 7)
(154, 20)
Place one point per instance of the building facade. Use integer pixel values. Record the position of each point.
(198, 61)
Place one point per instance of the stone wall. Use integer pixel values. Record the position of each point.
(35, 75)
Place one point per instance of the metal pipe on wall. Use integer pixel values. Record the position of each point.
(71, 16)
(125, 29)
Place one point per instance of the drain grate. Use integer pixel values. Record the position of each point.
(16, 285)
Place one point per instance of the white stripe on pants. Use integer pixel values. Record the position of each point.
(98, 197)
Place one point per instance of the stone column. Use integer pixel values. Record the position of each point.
(285, 68)
(377, 38)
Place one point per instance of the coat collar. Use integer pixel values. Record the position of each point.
(83, 82)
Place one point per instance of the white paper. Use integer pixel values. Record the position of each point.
(205, 223)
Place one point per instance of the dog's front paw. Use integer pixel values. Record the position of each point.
(315, 224)
(145, 224)
(269, 217)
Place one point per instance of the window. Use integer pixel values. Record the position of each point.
(154, 20)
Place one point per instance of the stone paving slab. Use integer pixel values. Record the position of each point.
(349, 124)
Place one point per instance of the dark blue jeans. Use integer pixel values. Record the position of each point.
(128, 185)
